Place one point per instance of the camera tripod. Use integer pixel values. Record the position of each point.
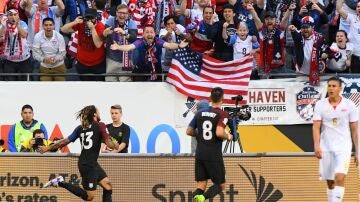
(234, 122)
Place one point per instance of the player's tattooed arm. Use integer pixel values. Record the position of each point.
(111, 144)
(53, 147)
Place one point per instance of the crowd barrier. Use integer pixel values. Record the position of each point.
(169, 178)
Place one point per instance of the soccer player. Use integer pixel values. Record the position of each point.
(210, 123)
(335, 121)
(91, 133)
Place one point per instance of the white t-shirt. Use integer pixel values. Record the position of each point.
(354, 33)
(335, 129)
(338, 62)
(50, 47)
(242, 48)
(53, 12)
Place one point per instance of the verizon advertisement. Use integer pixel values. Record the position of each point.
(171, 179)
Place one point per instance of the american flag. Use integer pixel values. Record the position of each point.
(195, 76)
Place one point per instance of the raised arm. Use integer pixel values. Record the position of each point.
(285, 19)
(27, 5)
(340, 9)
(68, 28)
(183, 10)
(257, 20)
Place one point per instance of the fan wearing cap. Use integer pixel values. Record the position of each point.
(90, 50)
(271, 39)
(315, 10)
(15, 49)
(309, 45)
(354, 34)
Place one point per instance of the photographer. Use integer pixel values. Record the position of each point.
(90, 49)
(33, 144)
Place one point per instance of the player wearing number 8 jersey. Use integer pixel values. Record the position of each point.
(91, 133)
(208, 126)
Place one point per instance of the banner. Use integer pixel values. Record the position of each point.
(171, 178)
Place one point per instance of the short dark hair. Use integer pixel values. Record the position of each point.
(148, 26)
(169, 17)
(229, 6)
(217, 94)
(212, 8)
(27, 106)
(48, 19)
(37, 131)
(334, 78)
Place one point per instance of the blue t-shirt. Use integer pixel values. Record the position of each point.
(144, 57)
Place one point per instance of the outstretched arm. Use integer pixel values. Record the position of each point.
(54, 147)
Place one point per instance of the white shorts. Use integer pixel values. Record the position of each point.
(334, 162)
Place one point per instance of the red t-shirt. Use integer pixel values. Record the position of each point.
(87, 53)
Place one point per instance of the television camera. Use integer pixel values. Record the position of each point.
(236, 114)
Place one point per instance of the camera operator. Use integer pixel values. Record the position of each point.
(32, 144)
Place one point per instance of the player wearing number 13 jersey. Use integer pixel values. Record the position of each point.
(91, 133)
(208, 126)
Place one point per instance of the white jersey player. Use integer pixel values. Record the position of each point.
(335, 124)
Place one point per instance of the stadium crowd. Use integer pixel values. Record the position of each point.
(283, 36)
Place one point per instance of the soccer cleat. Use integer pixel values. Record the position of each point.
(199, 198)
(54, 182)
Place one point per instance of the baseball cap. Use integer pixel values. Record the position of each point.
(90, 12)
(269, 14)
(202, 104)
(307, 21)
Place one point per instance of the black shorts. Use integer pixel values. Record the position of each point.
(91, 175)
(214, 170)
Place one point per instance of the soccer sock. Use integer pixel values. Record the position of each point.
(198, 192)
(330, 194)
(212, 191)
(74, 189)
(338, 193)
(107, 195)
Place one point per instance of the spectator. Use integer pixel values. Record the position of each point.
(242, 42)
(2, 148)
(314, 9)
(143, 13)
(15, 49)
(49, 49)
(309, 45)
(118, 131)
(121, 30)
(99, 5)
(338, 55)
(199, 33)
(150, 48)
(272, 40)
(15, 4)
(22, 130)
(165, 8)
(195, 14)
(37, 12)
(73, 9)
(244, 15)
(173, 33)
(220, 30)
(90, 50)
(354, 34)
(32, 144)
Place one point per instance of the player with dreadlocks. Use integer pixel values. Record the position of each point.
(91, 133)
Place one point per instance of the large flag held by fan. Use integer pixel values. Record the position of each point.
(195, 75)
